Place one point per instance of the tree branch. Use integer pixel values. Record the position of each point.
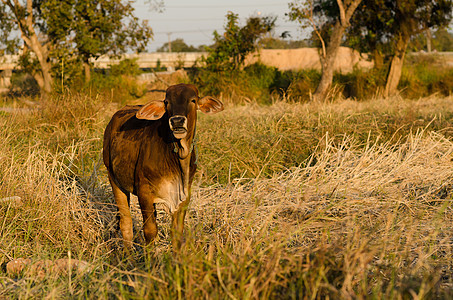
(15, 8)
(342, 13)
(29, 18)
(309, 14)
(351, 9)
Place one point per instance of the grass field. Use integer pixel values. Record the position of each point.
(320, 200)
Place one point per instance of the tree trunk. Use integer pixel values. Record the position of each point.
(38, 77)
(87, 68)
(47, 77)
(328, 62)
(26, 22)
(428, 40)
(378, 59)
(41, 53)
(396, 66)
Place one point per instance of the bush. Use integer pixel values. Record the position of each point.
(119, 83)
(257, 81)
(126, 67)
(252, 82)
(361, 84)
(424, 75)
(302, 84)
(23, 84)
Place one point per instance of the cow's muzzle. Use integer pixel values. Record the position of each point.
(178, 124)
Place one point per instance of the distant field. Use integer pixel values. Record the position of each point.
(341, 200)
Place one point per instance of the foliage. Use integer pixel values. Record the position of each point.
(121, 88)
(231, 48)
(72, 32)
(442, 40)
(23, 85)
(8, 40)
(317, 15)
(423, 75)
(376, 28)
(256, 82)
(178, 45)
(340, 12)
(126, 67)
(90, 29)
(279, 43)
(107, 27)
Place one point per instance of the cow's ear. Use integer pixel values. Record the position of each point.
(154, 110)
(210, 105)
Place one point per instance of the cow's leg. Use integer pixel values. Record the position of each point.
(178, 224)
(146, 200)
(122, 202)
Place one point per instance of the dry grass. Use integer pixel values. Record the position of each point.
(362, 208)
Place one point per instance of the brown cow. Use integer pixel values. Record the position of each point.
(148, 151)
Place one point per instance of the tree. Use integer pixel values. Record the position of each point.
(387, 26)
(319, 13)
(26, 18)
(441, 40)
(9, 41)
(98, 28)
(412, 17)
(369, 31)
(57, 30)
(177, 45)
(231, 48)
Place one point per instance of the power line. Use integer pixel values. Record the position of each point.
(223, 6)
(183, 20)
(211, 30)
(187, 31)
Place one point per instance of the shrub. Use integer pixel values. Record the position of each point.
(23, 84)
(302, 84)
(253, 82)
(126, 67)
(424, 75)
(257, 81)
(361, 84)
(120, 83)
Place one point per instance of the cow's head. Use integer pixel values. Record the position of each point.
(181, 103)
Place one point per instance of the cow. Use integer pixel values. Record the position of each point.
(149, 151)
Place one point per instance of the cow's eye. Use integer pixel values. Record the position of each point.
(194, 100)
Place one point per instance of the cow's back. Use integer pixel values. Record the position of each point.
(122, 142)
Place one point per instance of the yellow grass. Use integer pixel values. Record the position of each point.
(365, 212)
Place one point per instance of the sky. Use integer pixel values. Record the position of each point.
(194, 21)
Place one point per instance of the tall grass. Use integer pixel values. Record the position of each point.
(252, 140)
(338, 200)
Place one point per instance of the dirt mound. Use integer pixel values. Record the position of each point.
(308, 58)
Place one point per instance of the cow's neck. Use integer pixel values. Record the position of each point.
(184, 148)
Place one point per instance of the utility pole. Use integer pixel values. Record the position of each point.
(428, 40)
(169, 42)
